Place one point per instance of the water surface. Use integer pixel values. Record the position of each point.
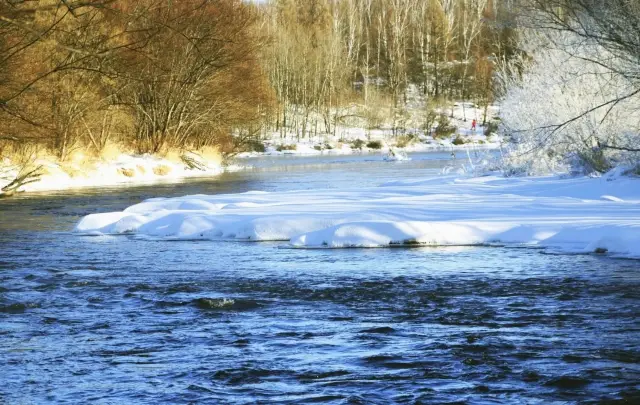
(114, 320)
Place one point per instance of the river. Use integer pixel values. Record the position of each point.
(120, 320)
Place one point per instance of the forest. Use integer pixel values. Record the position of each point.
(153, 75)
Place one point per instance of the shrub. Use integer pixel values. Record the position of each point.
(128, 172)
(444, 128)
(430, 119)
(490, 127)
(634, 171)
(357, 144)
(326, 146)
(405, 140)
(254, 145)
(161, 170)
(459, 140)
(593, 160)
(281, 148)
(374, 145)
(378, 109)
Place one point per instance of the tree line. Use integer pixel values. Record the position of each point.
(159, 74)
(151, 74)
(328, 54)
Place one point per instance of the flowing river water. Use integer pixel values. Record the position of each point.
(118, 320)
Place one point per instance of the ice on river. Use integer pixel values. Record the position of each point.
(578, 215)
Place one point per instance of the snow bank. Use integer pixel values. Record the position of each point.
(122, 169)
(583, 215)
(342, 138)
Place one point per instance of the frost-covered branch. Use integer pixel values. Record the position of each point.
(576, 104)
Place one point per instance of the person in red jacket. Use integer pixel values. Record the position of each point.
(473, 125)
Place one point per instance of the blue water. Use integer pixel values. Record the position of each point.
(118, 320)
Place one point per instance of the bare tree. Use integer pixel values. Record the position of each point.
(611, 26)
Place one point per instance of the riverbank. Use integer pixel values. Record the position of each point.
(458, 133)
(120, 169)
(132, 170)
(381, 144)
(117, 166)
(568, 215)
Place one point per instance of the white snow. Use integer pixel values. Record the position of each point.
(123, 169)
(341, 140)
(396, 156)
(578, 215)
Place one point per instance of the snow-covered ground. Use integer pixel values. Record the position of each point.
(121, 169)
(569, 215)
(412, 139)
(126, 168)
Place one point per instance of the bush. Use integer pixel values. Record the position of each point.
(161, 170)
(254, 145)
(459, 140)
(405, 140)
(127, 172)
(430, 118)
(357, 144)
(326, 146)
(374, 145)
(634, 171)
(593, 160)
(444, 128)
(281, 148)
(377, 110)
(490, 127)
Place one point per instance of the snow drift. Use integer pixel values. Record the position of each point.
(117, 170)
(580, 215)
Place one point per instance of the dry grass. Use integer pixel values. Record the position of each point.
(405, 140)
(111, 152)
(72, 170)
(211, 155)
(24, 156)
(281, 148)
(173, 156)
(127, 172)
(161, 170)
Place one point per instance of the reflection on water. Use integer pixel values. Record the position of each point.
(123, 320)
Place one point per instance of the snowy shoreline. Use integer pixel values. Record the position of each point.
(345, 140)
(308, 149)
(565, 215)
(132, 170)
(124, 169)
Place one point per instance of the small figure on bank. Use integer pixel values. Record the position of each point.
(473, 125)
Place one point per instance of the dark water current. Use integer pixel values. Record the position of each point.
(115, 320)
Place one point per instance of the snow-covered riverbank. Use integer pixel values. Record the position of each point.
(571, 215)
(337, 147)
(122, 169)
(345, 140)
